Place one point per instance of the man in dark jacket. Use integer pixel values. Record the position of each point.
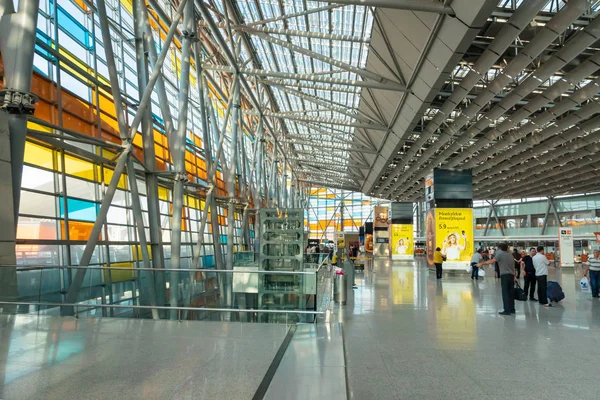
(530, 280)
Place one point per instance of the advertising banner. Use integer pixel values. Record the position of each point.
(565, 244)
(430, 237)
(454, 236)
(381, 236)
(402, 242)
(380, 217)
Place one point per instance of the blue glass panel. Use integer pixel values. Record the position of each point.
(46, 39)
(81, 210)
(72, 27)
(223, 239)
(208, 261)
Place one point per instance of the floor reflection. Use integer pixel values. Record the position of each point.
(428, 338)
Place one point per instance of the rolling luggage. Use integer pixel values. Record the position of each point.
(520, 293)
(555, 292)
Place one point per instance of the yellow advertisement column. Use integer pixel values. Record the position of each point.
(402, 242)
(454, 236)
(449, 218)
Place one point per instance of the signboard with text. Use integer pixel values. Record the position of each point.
(567, 251)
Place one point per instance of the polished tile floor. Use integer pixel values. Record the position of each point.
(406, 336)
(409, 336)
(313, 366)
(64, 358)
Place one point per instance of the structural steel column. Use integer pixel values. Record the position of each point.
(284, 194)
(214, 217)
(17, 40)
(8, 276)
(493, 205)
(545, 224)
(156, 245)
(235, 114)
(178, 154)
(487, 221)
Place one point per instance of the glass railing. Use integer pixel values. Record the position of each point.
(244, 293)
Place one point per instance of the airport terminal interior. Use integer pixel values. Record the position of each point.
(299, 199)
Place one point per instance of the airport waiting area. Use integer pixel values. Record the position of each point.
(299, 199)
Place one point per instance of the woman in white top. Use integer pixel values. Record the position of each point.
(452, 248)
(402, 246)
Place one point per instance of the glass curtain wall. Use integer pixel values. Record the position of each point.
(328, 207)
(63, 189)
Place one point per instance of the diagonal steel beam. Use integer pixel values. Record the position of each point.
(366, 74)
(309, 77)
(409, 5)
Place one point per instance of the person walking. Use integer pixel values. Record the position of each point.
(517, 257)
(592, 271)
(507, 277)
(476, 259)
(438, 260)
(540, 263)
(529, 277)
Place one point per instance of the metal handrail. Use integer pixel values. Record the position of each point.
(250, 271)
(92, 306)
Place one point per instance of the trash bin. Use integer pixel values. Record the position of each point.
(340, 286)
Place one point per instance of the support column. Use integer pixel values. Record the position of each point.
(8, 276)
(493, 206)
(487, 221)
(284, 192)
(231, 188)
(156, 245)
(449, 222)
(178, 154)
(545, 224)
(555, 211)
(17, 40)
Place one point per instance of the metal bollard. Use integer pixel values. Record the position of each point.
(340, 287)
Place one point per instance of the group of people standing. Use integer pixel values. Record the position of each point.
(534, 265)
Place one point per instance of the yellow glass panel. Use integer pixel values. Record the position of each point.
(108, 174)
(37, 127)
(108, 154)
(137, 140)
(136, 251)
(163, 193)
(114, 276)
(128, 6)
(38, 155)
(80, 168)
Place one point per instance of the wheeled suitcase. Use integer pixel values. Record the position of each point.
(555, 292)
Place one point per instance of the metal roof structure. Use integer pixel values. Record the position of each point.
(371, 95)
(515, 100)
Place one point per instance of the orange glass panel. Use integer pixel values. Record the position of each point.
(77, 230)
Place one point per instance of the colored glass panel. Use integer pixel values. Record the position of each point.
(38, 155)
(80, 209)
